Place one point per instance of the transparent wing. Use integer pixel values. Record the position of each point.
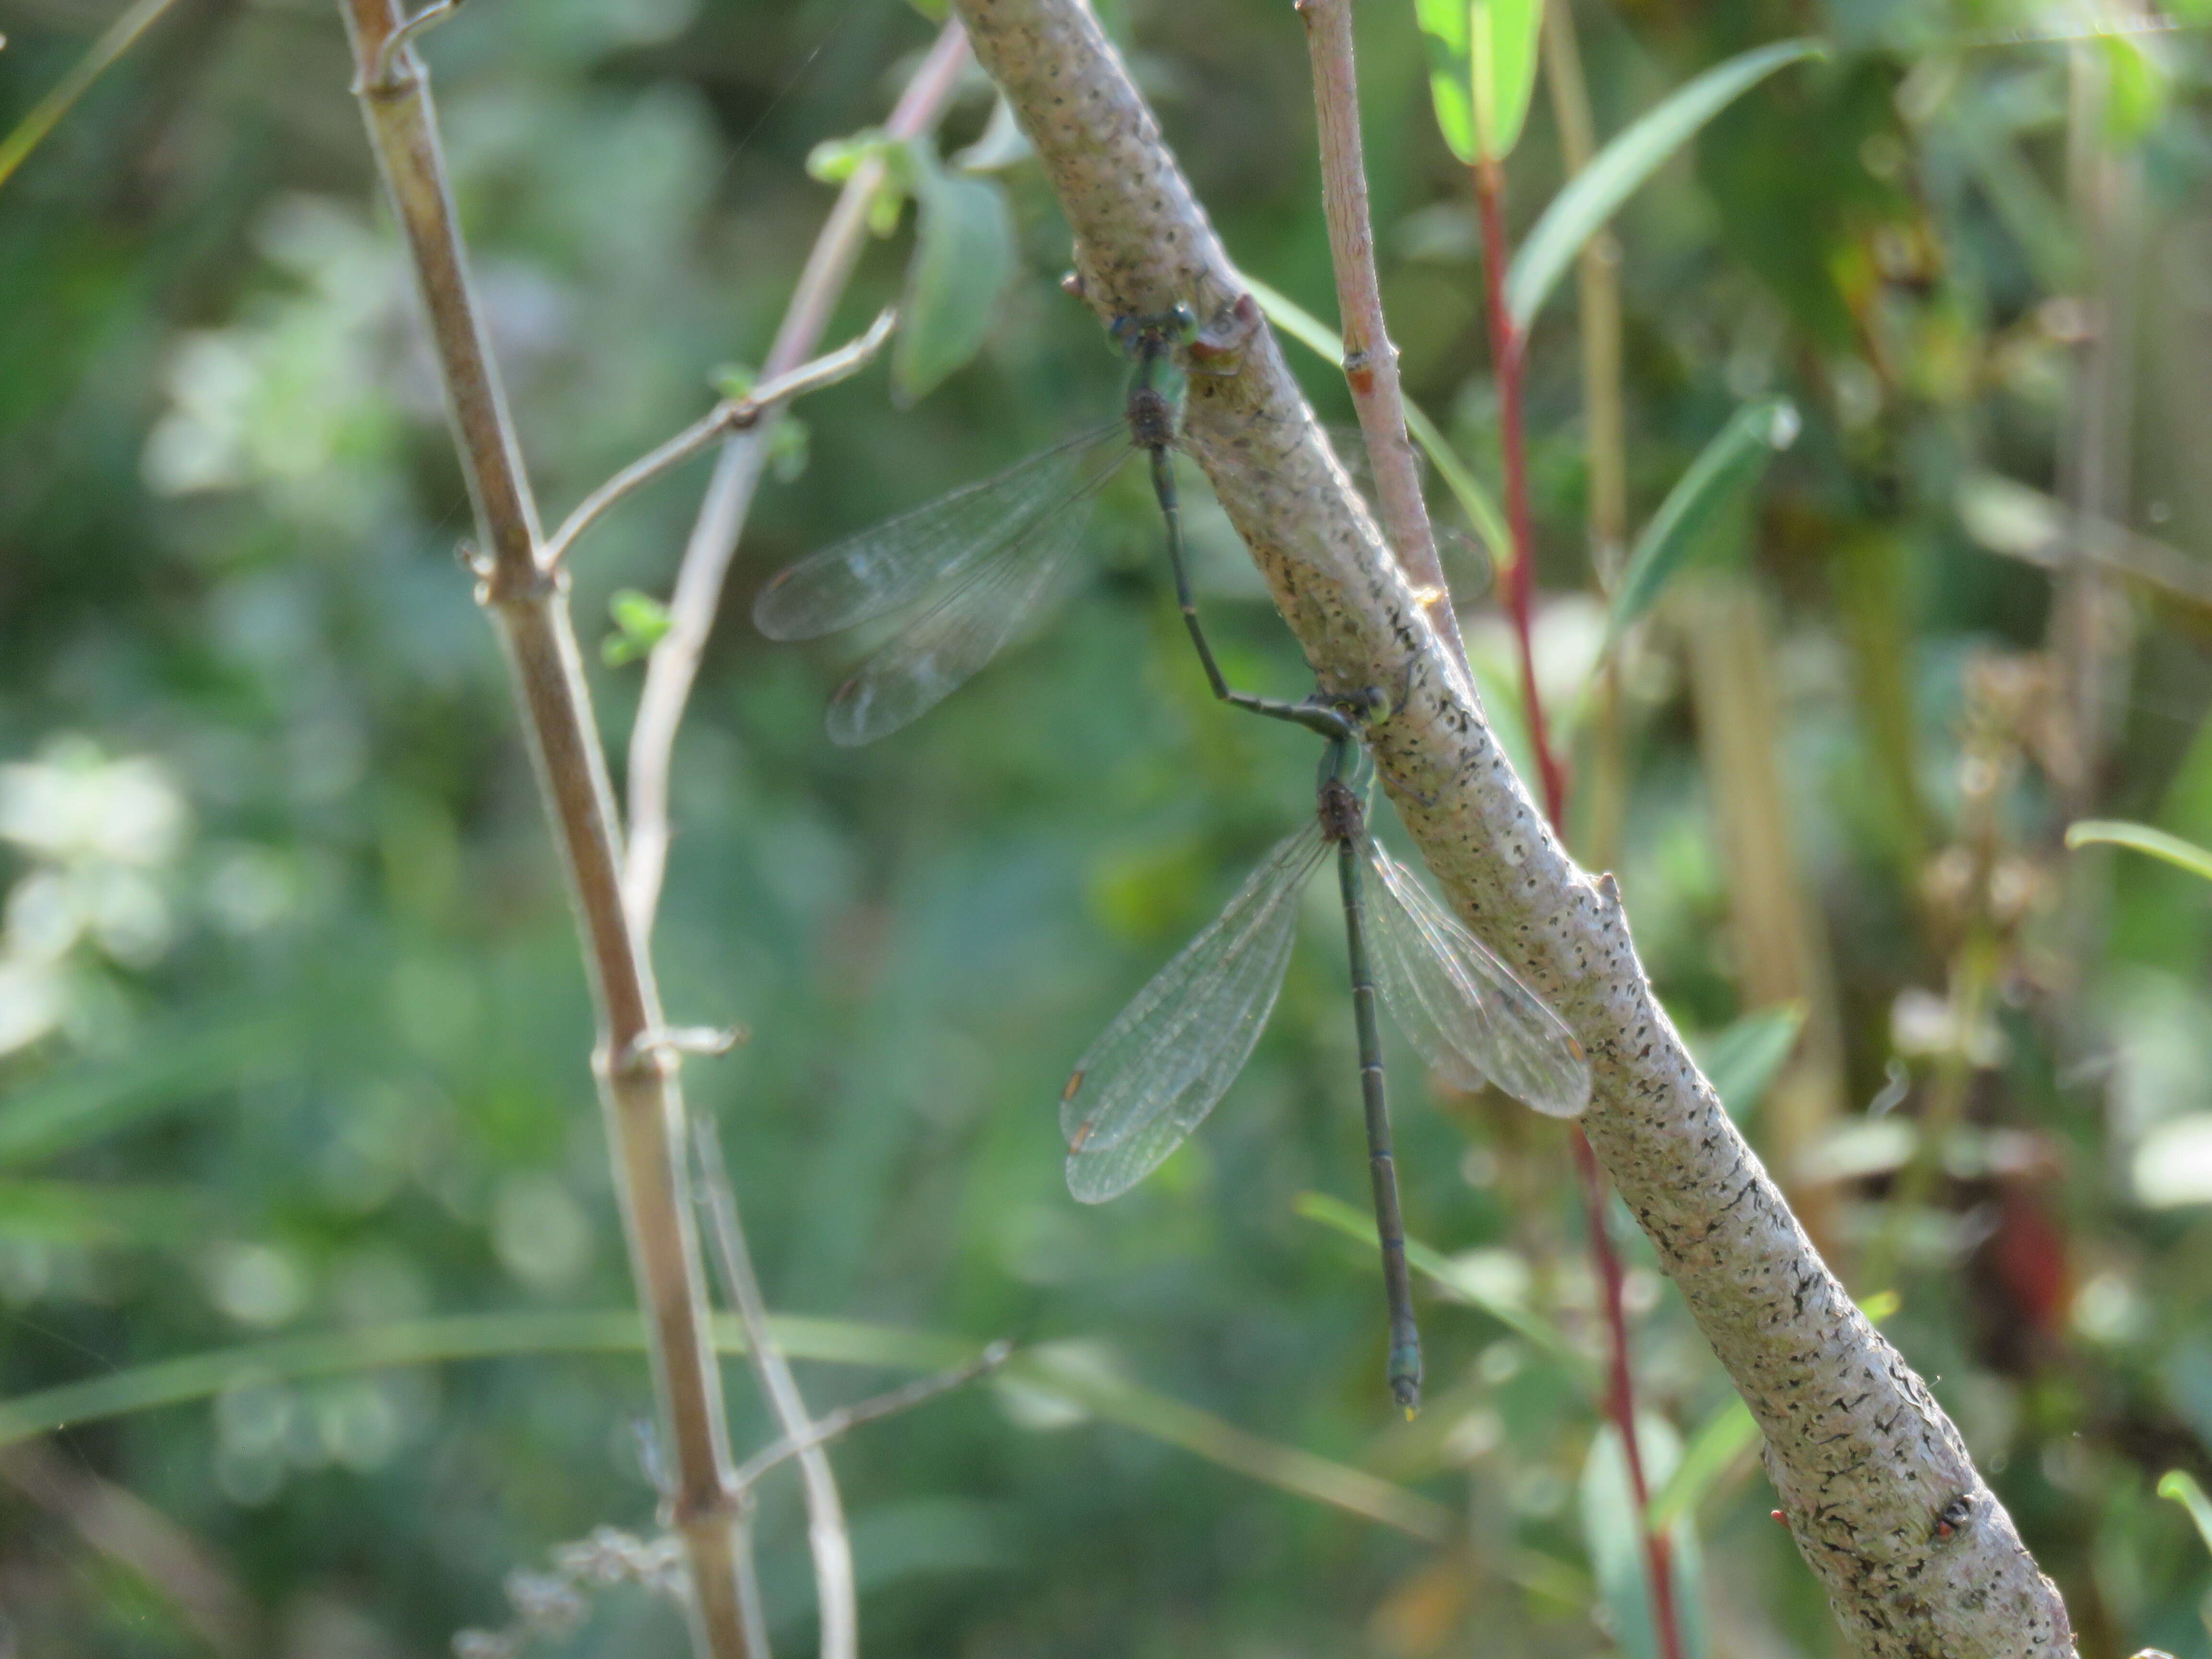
(1174, 1051)
(1472, 1020)
(970, 624)
(868, 575)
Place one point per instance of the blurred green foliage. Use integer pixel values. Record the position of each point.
(293, 1036)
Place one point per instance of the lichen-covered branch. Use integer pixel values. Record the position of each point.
(1918, 1556)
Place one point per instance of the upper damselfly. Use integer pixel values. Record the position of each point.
(982, 563)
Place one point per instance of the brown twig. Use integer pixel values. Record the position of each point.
(1371, 359)
(529, 608)
(836, 1591)
(731, 415)
(1867, 1465)
(674, 664)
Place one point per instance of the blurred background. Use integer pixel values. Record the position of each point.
(293, 1036)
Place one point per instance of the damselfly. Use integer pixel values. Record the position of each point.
(1160, 1067)
(983, 562)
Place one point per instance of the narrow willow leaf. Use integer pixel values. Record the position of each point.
(1619, 171)
(1716, 479)
(1310, 332)
(1482, 68)
(1742, 1061)
(2142, 838)
(963, 256)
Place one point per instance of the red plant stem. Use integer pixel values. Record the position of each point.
(1520, 579)
(1519, 582)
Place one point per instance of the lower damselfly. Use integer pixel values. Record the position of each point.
(981, 564)
(1162, 1065)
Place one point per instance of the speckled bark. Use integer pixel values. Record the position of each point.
(1918, 1558)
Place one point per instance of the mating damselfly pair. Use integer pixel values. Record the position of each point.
(977, 565)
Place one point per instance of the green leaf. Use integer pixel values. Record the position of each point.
(1052, 1370)
(963, 256)
(2179, 1485)
(1613, 1528)
(1310, 332)
(1619, 170)
(640, 622)
(2142, 838)
(1482, 68)
(1503, 70)
(834, 161)
(1742, 1061)
(1716, 479)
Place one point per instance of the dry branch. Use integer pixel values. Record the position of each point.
(1918, 1556)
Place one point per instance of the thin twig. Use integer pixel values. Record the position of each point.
(643, 1107)
(837, 1593)
(674, 664)
(1863, 1459)
(731, 415)
(843, 1420)
(1371, 359)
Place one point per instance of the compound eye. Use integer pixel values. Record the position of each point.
(1184, 320)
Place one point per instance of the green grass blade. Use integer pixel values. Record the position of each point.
(1357, 1223)
(45, 115)
(1619, 170)
(1737, 455)
(844, 1342)
(1310, 332)
(2142, 838)
(1716, 1445)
